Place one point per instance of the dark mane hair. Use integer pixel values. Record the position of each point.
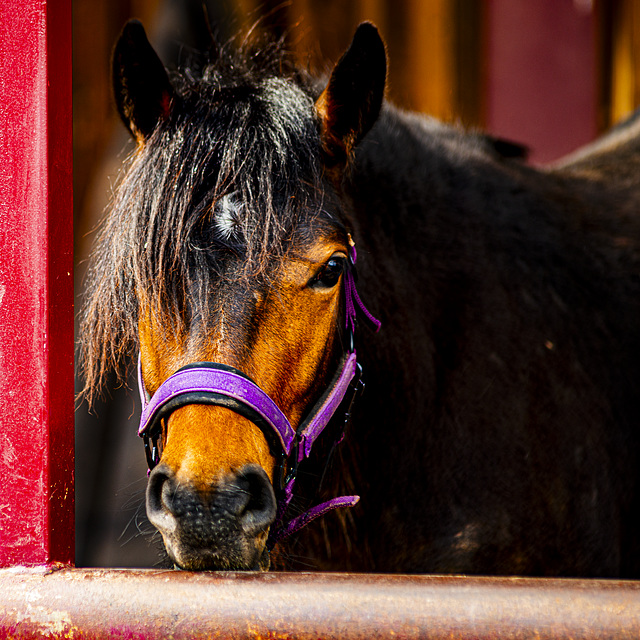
(241, 127)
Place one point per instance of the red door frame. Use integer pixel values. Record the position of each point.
(36, 284)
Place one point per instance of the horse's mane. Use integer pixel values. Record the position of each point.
(241, 135)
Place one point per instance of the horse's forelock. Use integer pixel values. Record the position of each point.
(233, 175)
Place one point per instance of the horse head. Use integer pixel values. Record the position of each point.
(228, 244)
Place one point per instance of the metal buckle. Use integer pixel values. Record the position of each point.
(356, 388)
(151, 449)
(293, 463)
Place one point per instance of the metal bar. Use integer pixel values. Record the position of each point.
(94, 603)
(36, 283)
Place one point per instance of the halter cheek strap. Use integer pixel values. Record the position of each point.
(211, 383)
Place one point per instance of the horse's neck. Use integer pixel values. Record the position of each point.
(416, 171)
(427, 183)
(440, 217)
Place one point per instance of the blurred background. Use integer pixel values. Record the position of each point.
(550, 74)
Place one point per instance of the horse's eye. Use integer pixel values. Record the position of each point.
(330, 273)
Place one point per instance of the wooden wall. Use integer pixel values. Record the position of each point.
(619, 59)
(434, 46)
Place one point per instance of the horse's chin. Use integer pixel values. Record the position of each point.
(206, 559)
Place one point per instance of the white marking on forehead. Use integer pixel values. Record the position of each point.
(228, 213)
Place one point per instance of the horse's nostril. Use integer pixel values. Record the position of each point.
(259, 509)
(160, 510)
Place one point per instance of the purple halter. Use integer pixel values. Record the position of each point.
(221, 385)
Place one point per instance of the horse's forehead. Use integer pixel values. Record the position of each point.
(290, 271)
(237, 294)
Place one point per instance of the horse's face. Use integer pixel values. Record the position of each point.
(212, 494)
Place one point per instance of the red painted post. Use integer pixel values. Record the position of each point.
(36, 283)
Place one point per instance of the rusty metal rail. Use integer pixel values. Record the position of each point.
(94, 603)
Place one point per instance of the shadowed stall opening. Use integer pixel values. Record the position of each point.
(498, 430)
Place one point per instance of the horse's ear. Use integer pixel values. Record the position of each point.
(351, 101)
(141, 87)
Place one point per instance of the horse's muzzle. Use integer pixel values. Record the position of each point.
(222, 528)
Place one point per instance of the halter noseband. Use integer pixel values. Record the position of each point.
(211, 383)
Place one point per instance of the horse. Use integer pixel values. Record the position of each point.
(267, 225)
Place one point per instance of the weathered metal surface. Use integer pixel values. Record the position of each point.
(93, 603)
(36, 283)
